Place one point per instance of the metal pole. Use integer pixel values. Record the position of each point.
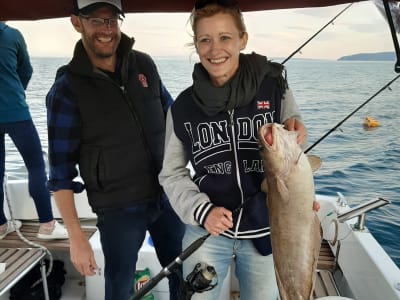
(44, 279)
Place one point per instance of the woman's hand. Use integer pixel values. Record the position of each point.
(295, 125)
(316, 206)
(218, 220)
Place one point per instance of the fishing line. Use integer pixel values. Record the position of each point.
(352, 113)
(315, 34)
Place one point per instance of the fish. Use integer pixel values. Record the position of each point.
(294, 226)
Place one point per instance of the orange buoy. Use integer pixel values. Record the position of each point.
(370, 122)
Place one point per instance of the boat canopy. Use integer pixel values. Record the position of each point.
(46, 9)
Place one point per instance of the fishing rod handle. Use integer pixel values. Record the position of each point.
(167, 270)
(193, 247)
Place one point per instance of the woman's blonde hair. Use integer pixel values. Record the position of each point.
(213, 9)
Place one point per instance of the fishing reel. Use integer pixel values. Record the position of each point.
(202, 278)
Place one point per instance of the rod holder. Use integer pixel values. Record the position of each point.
(360, 211)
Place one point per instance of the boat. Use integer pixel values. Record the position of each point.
(352, 264)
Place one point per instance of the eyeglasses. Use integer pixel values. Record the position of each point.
(225, 3)
(99, 22)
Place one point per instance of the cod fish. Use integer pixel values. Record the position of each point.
(295, 227)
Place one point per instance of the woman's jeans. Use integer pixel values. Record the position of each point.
(26, 139)
(254, 272)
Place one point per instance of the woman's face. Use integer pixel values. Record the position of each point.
(218, 44)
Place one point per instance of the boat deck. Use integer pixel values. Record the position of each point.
(326, 259)
(324, 283)
(29, 231)
(18, 262)
(20, 257)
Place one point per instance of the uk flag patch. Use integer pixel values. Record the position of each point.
(263, 105)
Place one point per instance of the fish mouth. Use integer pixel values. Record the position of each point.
(268, 133)
(267, 136)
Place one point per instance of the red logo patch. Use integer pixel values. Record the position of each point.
(143, 80)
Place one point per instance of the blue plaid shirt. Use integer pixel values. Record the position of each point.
(64, 135)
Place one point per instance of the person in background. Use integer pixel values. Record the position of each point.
(16, 122)
(214, 125)
(106, 115)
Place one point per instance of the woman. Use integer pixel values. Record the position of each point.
(215, 123)
(16, 121)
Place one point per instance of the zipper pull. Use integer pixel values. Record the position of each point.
(230, 113)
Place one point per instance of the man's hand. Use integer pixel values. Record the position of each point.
(82, 256)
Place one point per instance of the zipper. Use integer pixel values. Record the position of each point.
(238, 181)
(136, 121)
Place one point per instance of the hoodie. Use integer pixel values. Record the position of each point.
(15, 73)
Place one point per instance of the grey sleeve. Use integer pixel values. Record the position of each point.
(289, 108)
(184, 195)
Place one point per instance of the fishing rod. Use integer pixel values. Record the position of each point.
(177, 262)
(389, 18)
(168, 269)
(351, 114)
(315, 34)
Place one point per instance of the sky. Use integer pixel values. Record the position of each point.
(274, 33)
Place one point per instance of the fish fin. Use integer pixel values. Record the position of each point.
(298, 157)
(282, 188)
(317, 242)
(264, 186)
(281, 286)
(318, 230)
(315, 162)
(317, 236)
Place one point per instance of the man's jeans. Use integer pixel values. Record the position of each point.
(122, 233)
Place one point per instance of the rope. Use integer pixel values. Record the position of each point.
(21, 236)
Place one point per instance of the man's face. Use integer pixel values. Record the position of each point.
(100, 32)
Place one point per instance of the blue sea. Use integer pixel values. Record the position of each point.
(361, 163)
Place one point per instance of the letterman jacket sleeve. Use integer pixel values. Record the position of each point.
(183, 193)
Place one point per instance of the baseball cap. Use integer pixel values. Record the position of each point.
(89, 5)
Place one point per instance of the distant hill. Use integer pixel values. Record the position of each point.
(370, 56)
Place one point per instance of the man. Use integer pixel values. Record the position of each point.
(106, 115)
